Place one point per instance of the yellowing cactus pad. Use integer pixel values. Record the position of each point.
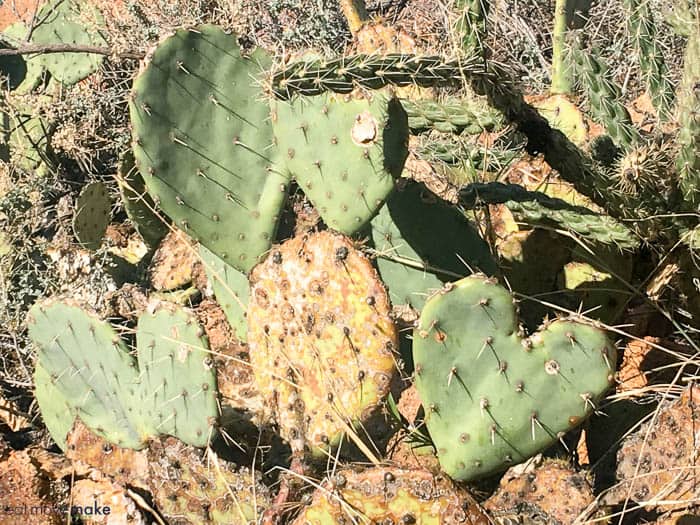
(387, 495)
(321, 339)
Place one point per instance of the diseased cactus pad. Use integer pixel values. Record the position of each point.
(320, 337)
(387, 495)
(189, 487)
(493, 397)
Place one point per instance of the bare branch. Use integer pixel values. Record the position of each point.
(32, 49)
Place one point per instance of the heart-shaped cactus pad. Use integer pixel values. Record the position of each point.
(493, 397)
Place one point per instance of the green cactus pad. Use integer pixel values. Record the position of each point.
(176, 374)
(53, 406)
(413, 261)
(202, 141)
(92, 215)
(13, 70)
(29, 137)
(344, 152)
(84, 361)
(138, 204)
(34, 71)
(61, 24)
(91, 367)
(230, 289)
(493, 397)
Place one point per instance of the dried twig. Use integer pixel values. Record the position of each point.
(32, 49)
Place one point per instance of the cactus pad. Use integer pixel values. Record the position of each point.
(92, 215)
(102, 385)
(53, 406)
(190, 488)
(320, 336)
(344, 152)
(178, 382)
(127, 466)
(412, 260)
(387, 495)
(550, 492)
(34, 70)
(493, 397)
(138, 204)
(172, 263)
(60, 24)
(87, 363)
(230, 289)
(655, 463)
(202, 141)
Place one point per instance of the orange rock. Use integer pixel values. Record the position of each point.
(12, 11)
(23, 487)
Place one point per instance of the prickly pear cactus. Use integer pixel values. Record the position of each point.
(53, 405)
(34, 71)
(138, 204)
(548, 491)
(176, 374)
(61, 24)
(320, 336)
(344, 151)
(202, 138)
(412, 261)
(493, 397)
(655, 464)
(230, 289)
(124, 465)
(172, 264)
(92, 215)
(189, 487)
(84, 360)
(29, 140)
(389, 495)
